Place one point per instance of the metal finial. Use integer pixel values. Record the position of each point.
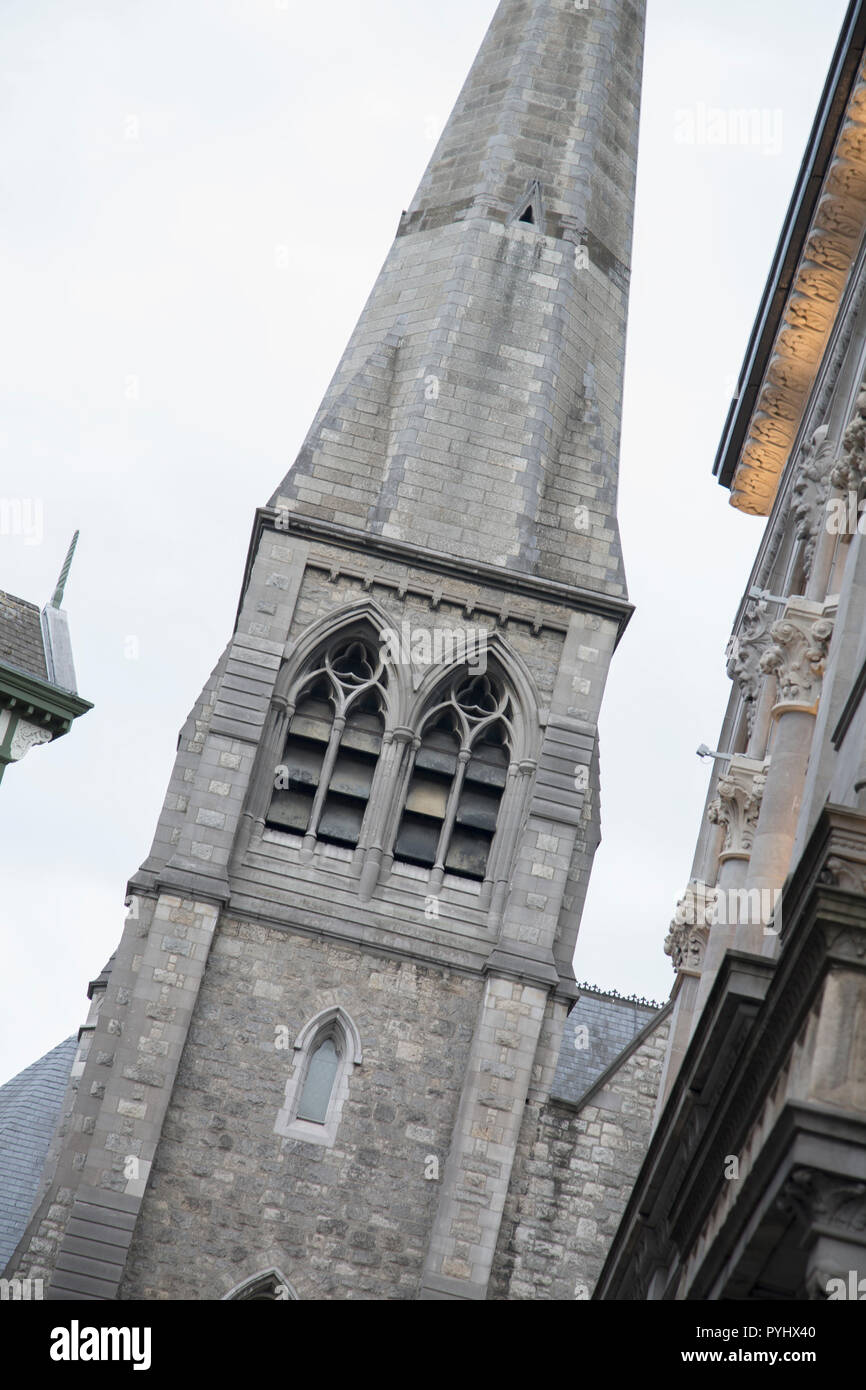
(57, 596)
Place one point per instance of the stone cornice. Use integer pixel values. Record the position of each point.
(823, 230)
(530, 586)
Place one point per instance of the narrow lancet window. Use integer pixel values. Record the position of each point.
(319, 1082)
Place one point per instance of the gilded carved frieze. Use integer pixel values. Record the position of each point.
(837, 229)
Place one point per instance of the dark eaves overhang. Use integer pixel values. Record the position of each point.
(39, 701)
(822, 231)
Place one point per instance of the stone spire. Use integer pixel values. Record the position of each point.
(475, 411)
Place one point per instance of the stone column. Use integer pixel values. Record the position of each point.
(796, 656)
(686, 944)
(736, 807)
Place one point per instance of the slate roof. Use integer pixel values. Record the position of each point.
(611, 1024)
(21, 642)
(29, 1110)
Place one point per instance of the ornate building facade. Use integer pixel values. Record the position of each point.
(754, 1186)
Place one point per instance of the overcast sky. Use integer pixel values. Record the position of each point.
(197, 196)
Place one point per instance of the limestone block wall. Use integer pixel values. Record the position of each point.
(572, 1177)
(229, 1197)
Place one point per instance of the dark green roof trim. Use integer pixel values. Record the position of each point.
(39, 701)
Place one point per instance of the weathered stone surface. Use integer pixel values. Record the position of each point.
(348, 1222)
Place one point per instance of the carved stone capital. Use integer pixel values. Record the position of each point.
(689, 931)
(798, 651)
(738, 802)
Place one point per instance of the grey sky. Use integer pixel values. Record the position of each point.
(196, 200)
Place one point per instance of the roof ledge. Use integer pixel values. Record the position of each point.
(824, 229)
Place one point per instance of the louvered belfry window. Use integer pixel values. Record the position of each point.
(332, 747)
(457, 781)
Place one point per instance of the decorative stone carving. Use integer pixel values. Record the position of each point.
(844, 873)
(25, 737)
(848, 472)
(810, 489)
(744, 655)
(738, 803)
(837, 1203)
(798, 652)
(689, 931)
(833, 1209)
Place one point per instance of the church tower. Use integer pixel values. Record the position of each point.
(347, 962)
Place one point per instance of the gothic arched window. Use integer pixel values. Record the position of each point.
(458, 779)
(336, 724)
(319, 1082)
(326, 1049)
(270, 1286)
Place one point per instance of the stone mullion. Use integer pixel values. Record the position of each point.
(395, 811)
(445, 833)
(368, 856)
(324, 782)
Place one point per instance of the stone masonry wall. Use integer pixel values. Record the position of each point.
(572, 1177)
(228, 1197)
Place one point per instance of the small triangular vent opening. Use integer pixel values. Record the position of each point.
(527, 216)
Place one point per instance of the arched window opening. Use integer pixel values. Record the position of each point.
(334, 739)
(458, 778)
(319, 1082)
(327, 1049)
(271, 1286)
